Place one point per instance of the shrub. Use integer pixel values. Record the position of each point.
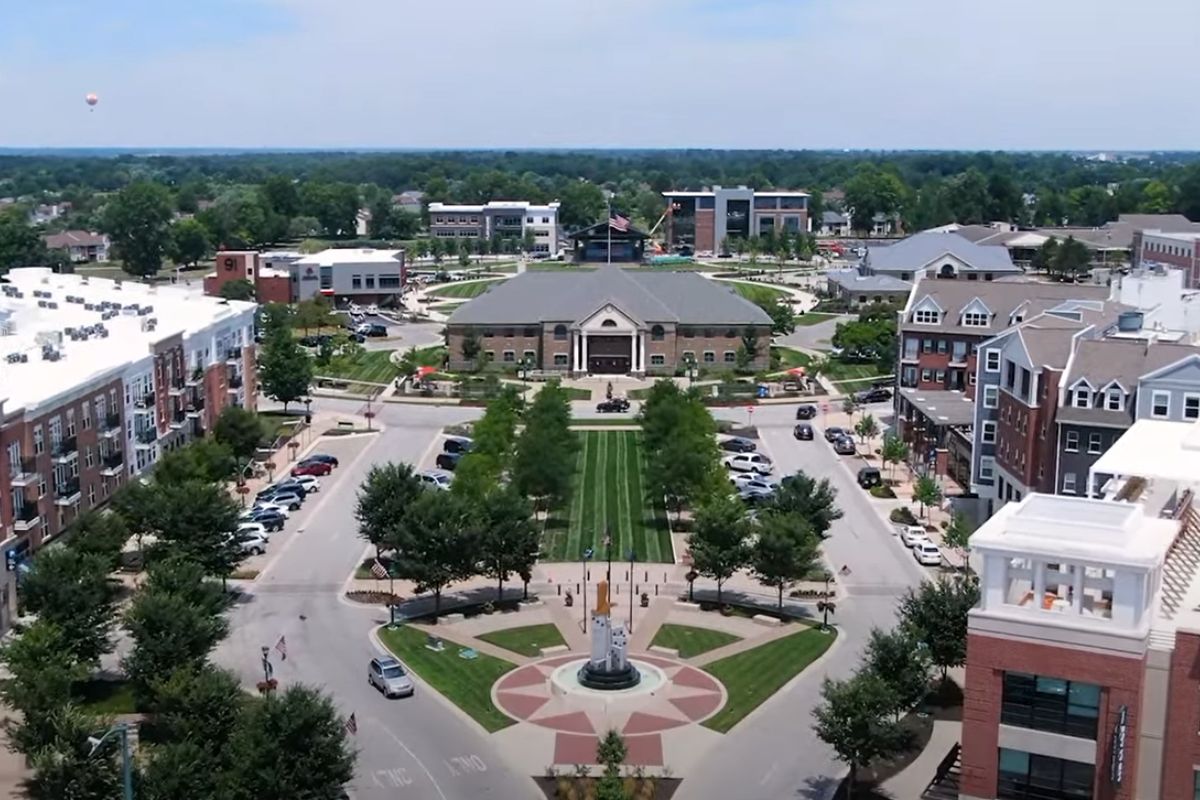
(883, 491)
(902, 516)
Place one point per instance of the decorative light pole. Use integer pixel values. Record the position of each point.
(586, 557)
(121, 729)
(825, 605)
(632, 558)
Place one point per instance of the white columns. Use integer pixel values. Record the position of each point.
(641, 352)
(633, 351)
(584, 354)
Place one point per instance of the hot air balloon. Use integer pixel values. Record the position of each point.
(91, 99)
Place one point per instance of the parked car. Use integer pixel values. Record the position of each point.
(373, 330)
(844, 446)
(806, 411)
(269, 518)
(869, 477)
(293, 485)
(617, 405)
(327, 459)
(737, 444)
(307, 482)
(457, 444)
(750, 480)
(316, 339)
(268, 505)
(803, 431)
(436, 479)
(877, 395)
(749, 462)
(927, 554)
(388, 676)
(312, 468)
(911, 534)
(834, 433)
(251, 544)
(289, 500)
(253, 529)
(448, 461)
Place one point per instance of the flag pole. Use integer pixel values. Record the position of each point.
(609, 249)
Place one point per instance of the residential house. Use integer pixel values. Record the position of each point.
(944, 256)
(834, 223)
(80, 246)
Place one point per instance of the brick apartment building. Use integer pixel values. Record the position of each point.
(343, 275)
(1083, 655)
(98, 378)
(1174, 249)
(498, 219)
(609, 321)
(702, 220)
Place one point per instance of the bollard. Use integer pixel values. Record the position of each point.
(647, 579)
(577, 589)
(560, 589)
(656, 590)
(664, 577)
(626, 574)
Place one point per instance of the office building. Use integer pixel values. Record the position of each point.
(703, 220)
(344, 276)
(499, 219)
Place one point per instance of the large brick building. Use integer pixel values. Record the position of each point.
(704, 219)
(97, 379)
(1083, 655)
(610, 321)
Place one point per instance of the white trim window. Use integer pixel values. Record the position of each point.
(991, 360)
(991, 396)
(1071, 442)
(926, 316)
(1082, 397)
(1069, 483)
(1191, 406)
(987, 432)
(987, 470)
(975, 319)
(1094, 443)
(1160, 405)
(1114, 400)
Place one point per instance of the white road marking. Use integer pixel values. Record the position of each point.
(413, 756)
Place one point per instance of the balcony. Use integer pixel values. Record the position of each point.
(24, 473)
(233, 355)
(65, 450)
(111, 428)
(235, 382)
(178, 419)
(112, 464)
(25, 518)
(146, 437)
(67, 493)
(175, 389)
(146, 401)
(194, 409)
(195, 377)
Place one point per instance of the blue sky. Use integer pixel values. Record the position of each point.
(1028, 74)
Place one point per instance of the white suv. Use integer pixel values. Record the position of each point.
(436, 479)
(927, 554)
(749, 462)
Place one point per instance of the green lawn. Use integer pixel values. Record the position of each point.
(609, 490)
(575, 393)
(446, 308)
(106, 698)
(466, 683)
(527, 640)
(750, 677)
(789, 358)
(370, 366)
(691, 641)
(838, 371)
(462, 290)
(277, 423)
(813, 318)
(757, 293)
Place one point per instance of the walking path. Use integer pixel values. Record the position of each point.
(801, 300)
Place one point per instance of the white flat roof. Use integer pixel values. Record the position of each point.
(1077, 528)
(335, 256)
(1179, 237)
(1155, 449)
(499, 205)
(176, 309)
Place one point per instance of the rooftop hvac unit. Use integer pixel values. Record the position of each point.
(48, 339)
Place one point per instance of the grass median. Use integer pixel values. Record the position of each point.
(692, 641)
(752, 676)
(527, 640)
(465, 682)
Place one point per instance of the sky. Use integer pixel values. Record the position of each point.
(794, 74)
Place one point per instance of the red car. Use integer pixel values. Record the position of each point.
(312, 468)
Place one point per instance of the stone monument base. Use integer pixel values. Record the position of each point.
(603, 680)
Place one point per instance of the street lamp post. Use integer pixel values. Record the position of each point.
(632, 558)
(587, 556)
(121, 729)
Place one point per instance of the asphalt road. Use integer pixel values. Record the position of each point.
(417, 747)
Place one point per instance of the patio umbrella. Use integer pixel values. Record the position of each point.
(425, 372)
(796, 371)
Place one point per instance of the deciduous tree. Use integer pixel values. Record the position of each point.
(720, 542)
(41, 669)
(926, 492)
(936, 614)
(893, 452)
(20, 244)
(285, 371)
(189, 244)
(855, 719)
(902, 662)
(383, 502)
(784, 552)
(239, 289)
(71, 590)
(813, 501)
(138, 219)
(240, 430)
(508, 537)
(438, 543)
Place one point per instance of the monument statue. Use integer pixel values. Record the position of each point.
(608, 666)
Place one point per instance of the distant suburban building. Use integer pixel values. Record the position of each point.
(47, 212)
(1180, 249)
(344, 276)
(857, 289)
(609, 321)
(703, 220)
(409, 200)
(100, 378)
(503, 219)
(942, 256)
(80, 246)
(592, 244)
(362, 223)
(834, 223)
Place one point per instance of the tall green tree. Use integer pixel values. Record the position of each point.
(197, 521)
(893, 452)
(240, 430)
(582, 204)
(71, 590)
(285, 371)
(936, 615)
(41, 670)
(855, 719)
(1046, 257)
(1071, 258)
(957, 534)
(238, 289)
(68, 768)
(20, 244)
(719, 544)
(199, 703)
(508, 538)
(99, 533)
(203, 460)
(438, 543)
(280, 194)
(866, 428)
(784, 551)
(902, 662)
(189, 243)
(138, 219)
(813, 501)
(926, 492)
(544, 454)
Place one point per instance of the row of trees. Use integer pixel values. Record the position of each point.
(206, 738)
(861, 717)
(486, 524)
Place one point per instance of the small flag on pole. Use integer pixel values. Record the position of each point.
(617, 222)
(378, 570)
(352, 725)
(281, 646)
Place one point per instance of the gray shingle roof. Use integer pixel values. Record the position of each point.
(682, 297)
(1001, 298)
(922, 249)
(834, 218)
(852, 281)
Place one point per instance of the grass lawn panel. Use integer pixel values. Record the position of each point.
(789, 358)
(462, 290)
(466, 683)
(752, 676)
(691, 641)
(370, 366)
(757, 293)
(610, 491)
(527, 640)
(277, 423)
(813, 318)
(839, 371)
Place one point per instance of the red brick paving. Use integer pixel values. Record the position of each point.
(525, 676)
(690, 676)
(571, 748)
(640, 722)
(521, 706)
(646, 751)
(697, 707)
(574, 722)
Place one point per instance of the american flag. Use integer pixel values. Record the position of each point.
(281, 646)
(617, 222)
(378, 570)
(351, 725)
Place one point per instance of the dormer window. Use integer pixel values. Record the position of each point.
(1113, 400)
(975, 319)
(925, 316)
(1083, 396)
(1016, 319)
